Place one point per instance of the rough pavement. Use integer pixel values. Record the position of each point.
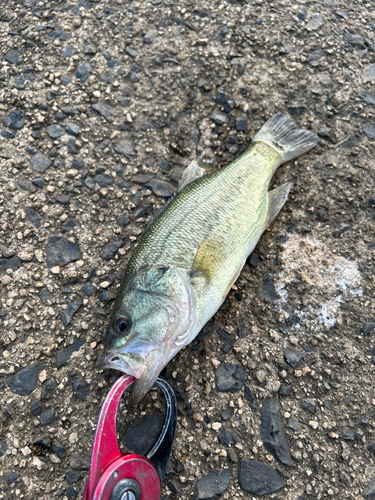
(102, 105)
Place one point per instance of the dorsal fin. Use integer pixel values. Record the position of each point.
(195, 170)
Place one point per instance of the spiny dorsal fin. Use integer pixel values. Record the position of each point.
(195, 170)
(277, 198)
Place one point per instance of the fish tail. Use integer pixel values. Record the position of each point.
(280, 133)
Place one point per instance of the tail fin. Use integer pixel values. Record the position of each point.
(280, 133)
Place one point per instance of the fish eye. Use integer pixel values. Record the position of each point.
(123, 325)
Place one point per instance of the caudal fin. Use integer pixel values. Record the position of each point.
(280, 133)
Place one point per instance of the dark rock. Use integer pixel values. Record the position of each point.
(47, 390)
(12, 56)
(368, 328)
(296, 110)
(15, 119)
(110, 249)
(8, 134)
(40, 162)
(60, 251)
(229, 377)
(6, 264)
(355, 41)
(72, 147)
(11, 477)
(64, 200)
(232, 455)
(72, 129)
(309, 405)
(80, 388)
(103, 180)
(227, 437)
(241, 124)
(89, 183)
(78, 164)
(3, 448)
(160, 188)
(292, 424)
(70, 110)
(83, 71)
(45, 297)
(369, 491)
(248, 393)
(59, 35)
(174, 486)
(72, 477)
(221, 99)
(126, 148)
(59, 450)
(70, 492)
(69, 51)
(267, 290)
(46, 417)
(122, 221)
(68, 226)
(25, 381)
(139, 438)
(272, 431)
(26, 185)
(285, 390)
(219, 118)
(225, 415)
(39, 182)
(107, 111)
(35, 407)
(33, 217)
(88, 289)
(65, 80)
(292, 357)
(348, 435)
(258, 479)
(55, 131)
(67, 314)
(164, 165)
(371, 447)
(212, 486)
(90, 49)
(80, 461)
(368, 97)
(131, 52)
(369, 130)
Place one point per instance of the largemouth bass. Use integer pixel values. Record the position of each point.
(193, 251)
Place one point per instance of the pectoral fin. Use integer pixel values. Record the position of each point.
(209, 258)
(195, 170)
(277, 198)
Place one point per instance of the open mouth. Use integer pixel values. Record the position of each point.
(128, 365)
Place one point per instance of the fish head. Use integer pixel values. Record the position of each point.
(152, 318)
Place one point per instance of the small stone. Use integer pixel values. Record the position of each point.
(25, 381)
(131, 52)
(88, 289)
(293, 357)
(254, 260)
(67, 314)
(108, 252)
(148, 38)
(11, 477)
(15, 119)
(90, 49)
(39, 182)
(12, 56)
(227, 437)
(369, 492)
(83, 71)
(103, 180)
(59, 450)
(47, 389)
(229, 377)
(89, 183)
(355, 41)
(80, 461)
(106, 110)
(70, 492)
(219, 118)
(55, 131)
(161, 189)
(59, 35)
(348, 435)
(241, 124)
(369, 130)
(72, 147)
(65, 80)
(368, 97)
(40, 162)
(258, 479)
(308, 405)
(64, 356)
(225, 415)
(33, 217)
(342, 14)
(267, 290)
(72, 129)
(316, 20)
(72, 477)
(292, 424)
(174, 486)
(368, 74)
(261, 376)
(122, 221)
(35, 407)
(60, 251)
(248, 393)
(212, 486)
(6, 264)
(80, 388)
(126, 148)
(46, 417)
(26, 185)
(272, 431)
(140, 437)
(69, 51)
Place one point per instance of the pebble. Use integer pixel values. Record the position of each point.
(33, 217)
(293, 357)
(83, 71)
(103, 180)
(174, 486)
(229, 377)
(72, 477)
(47, 389)
(12, 56)
(227, 437)
(292, 424)
(106, 110)
(368, 97)
(12, 264)
(308, 405)
(55, 131)
(72, 129)
(26, 185)
(70, 492)
(108, 252)
(368, 74)
(35, 407)
(369, 491)
(40, 162)
(272, 431)
(65, 80)
(316, 21)
(25, 381)
(126, 148)
(11, 477)
(59, 450)
(139, 438)
(219, 118)
(60, 251)
(15, 119)
(67, 315)
(88, 289)
(80, 461)
(161, 189)
(258, 479)
(355, 41)
(369, 131)
(212, 486)
(80, 388)
(46, 417)
(241, 124)
(123, 221)
(90, 49)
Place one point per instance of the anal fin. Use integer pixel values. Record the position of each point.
(195, 170)
(277, 198)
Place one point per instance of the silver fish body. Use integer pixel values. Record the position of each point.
(194, 250)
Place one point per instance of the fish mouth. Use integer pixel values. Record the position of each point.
(126, 364)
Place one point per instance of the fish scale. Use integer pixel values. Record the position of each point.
(191, 254)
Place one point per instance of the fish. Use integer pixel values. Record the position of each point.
(193, 250)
